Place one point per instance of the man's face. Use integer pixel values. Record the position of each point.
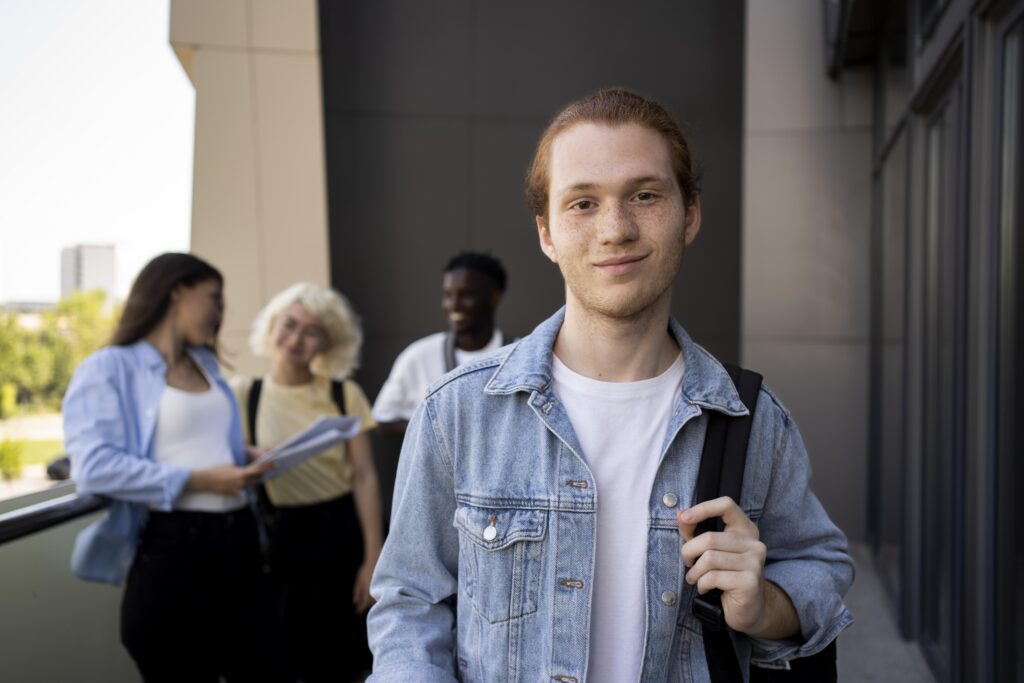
(469, 299)
(617, 225)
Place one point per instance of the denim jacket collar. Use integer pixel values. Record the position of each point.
(527, 367)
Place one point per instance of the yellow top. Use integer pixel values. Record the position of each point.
(284, 411)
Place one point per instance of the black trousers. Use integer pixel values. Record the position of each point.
(197, 605)
(316, 551)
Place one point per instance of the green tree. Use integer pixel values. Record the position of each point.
(39, 363)
(10, 348)
(79, 325)
(10, 459)
(8, 399)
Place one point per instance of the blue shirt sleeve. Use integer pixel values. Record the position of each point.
(103, 439)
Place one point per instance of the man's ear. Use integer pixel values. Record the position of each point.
(545, 239)
(691, 224)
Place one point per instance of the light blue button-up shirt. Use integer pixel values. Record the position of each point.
(488, 570)
(110, 413)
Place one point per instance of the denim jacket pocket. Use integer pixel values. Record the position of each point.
(500, 558)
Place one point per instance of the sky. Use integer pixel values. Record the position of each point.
(96, 138)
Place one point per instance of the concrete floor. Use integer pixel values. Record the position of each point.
(872, 649)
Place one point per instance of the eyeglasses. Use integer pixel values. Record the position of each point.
(306, 332)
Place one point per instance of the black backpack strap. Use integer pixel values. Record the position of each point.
(748, 383)
(338, 395)
(449, 351)
(251, 405)
(263, 508)
(722, 464)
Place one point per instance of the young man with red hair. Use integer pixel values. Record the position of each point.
(544, 517)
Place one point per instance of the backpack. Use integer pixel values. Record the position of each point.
(721, 474)
(266, 511)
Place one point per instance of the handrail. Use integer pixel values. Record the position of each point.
(41, 516)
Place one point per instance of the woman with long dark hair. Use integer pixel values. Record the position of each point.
(150, 423)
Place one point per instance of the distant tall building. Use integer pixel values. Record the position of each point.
(87, 267)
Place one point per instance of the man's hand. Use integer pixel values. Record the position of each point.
(226, 479)
(733, 561)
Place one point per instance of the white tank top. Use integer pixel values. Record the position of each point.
(193, 430)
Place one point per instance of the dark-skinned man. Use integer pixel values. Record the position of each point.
(472, 289)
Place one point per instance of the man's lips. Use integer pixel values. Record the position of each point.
(620, 265)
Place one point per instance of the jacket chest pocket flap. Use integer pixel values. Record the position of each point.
(500, 559)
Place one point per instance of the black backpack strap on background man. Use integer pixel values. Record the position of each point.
(449, 351)
(721, 474)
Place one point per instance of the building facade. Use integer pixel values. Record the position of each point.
(86, 267)
(862, 230)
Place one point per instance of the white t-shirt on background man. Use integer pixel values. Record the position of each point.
(415, 369)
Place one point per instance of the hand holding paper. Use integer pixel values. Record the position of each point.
(322, 434)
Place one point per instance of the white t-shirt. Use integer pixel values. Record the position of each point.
(415, 369)
(621, 427)
(193, 431)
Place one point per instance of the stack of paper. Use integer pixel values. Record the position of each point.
(320, 435)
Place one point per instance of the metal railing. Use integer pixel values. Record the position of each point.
(32, 519)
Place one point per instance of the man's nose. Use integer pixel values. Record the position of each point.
(618, 225)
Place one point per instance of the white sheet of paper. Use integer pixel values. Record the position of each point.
(322, 434)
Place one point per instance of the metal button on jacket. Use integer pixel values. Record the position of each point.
(669, 598)
(670, 500)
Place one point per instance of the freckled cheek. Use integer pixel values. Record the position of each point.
(661, 214)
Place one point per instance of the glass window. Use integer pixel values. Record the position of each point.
(941, 497)
(894, 69)
(1011, 368)
(890, 404)
(928, 12)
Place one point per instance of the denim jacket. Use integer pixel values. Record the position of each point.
(110, 412)
(487, 572)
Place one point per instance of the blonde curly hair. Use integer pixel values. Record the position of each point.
(340, 357)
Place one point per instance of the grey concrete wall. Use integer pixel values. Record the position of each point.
(806, 228)
(432, 111)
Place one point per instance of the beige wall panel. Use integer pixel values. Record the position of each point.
(806, 233)
(823, 386)
(209, 22)
(292, 199)
(224, 202)
(807, 223)
(786, 85)
(285, 24)
(857, 91)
